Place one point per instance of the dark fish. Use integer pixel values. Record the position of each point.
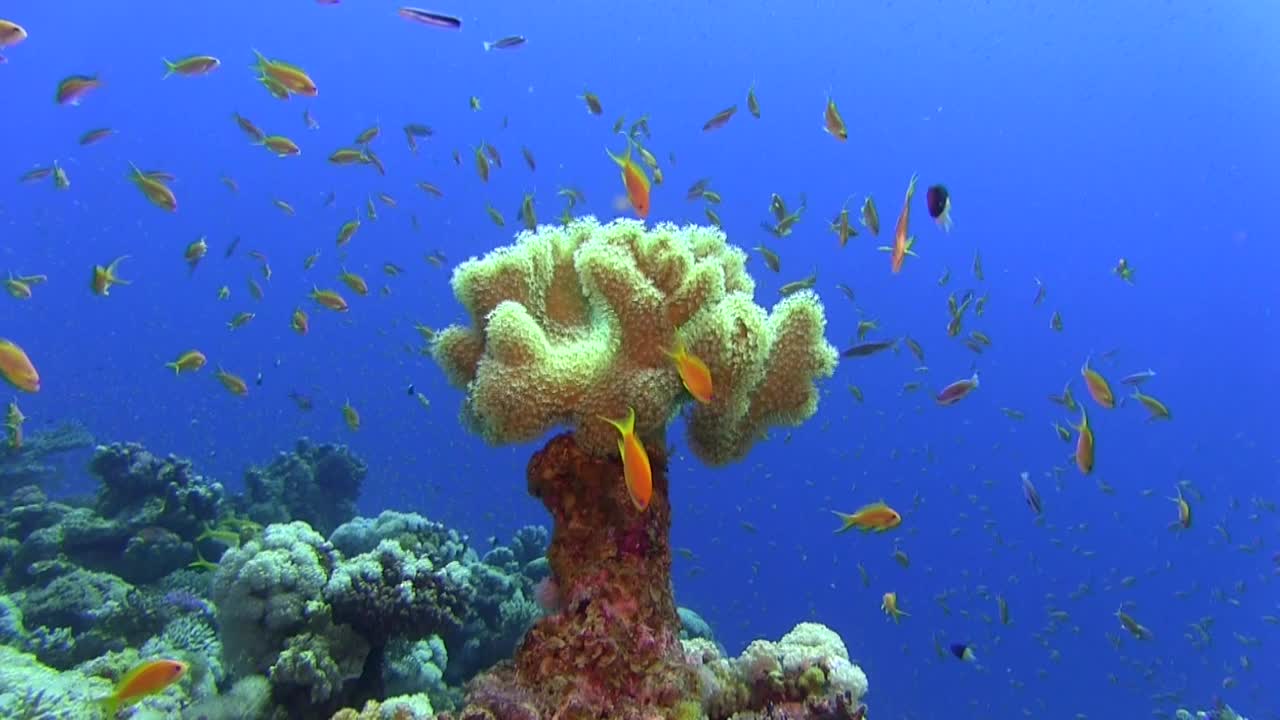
(304, 402)
(720, 119)
(938, 198)
(231, 249)
(426, 17)
(510, 41)
(1031, 494)
(868, 348)
(411, 390)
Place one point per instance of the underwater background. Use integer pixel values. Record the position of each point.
(1068, 136)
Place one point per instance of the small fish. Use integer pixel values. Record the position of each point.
(1084, 444)
(60, 179)
(916, 350)
(16, 368)
(957, 391)
(713, 217)
(1184, 510)
(354, 281)
(1133, 627)
(192, 66)
(329, 299)
(796, 286)
(350, 416)
(348, 231)
(35, 174)
(309, 120)
(875, 517)
(593, 102)
(239, 320)
(232, 382)
(771, 259)
(195, 252)
(938, 200)
(1123, 271)
(1156, 410)
(1030, 494)
(963, 652)
(528, 158)
(506, 43)
(299, 321)
(482, 164)
(13, 420)
(105, 277)
(753, 105)
(870, 217)
(495, 215)
(11, 33)
(144, 680)
(474, 103)
(694, 373)
(901, 246)
(977, 265)
(847, 291)
(1055, 321)
(293, 78)
(73, 89)
(189, 361)
(96, 135)
(634, 180)
(635, 461)
(1040, 292)
(284, 207)
(155, 191)
(832, 123)
(281, 146)
(426, 17)
(720, 119)
(868, 349)
(1138, 378)
(889, 604)
(1097, 386)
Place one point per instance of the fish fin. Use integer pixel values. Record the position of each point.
(170, 68)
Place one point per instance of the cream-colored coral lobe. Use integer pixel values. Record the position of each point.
(572, 323)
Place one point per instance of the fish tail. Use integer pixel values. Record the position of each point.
(846, 522)
(170, 68)
(487, 45)
(176, 371)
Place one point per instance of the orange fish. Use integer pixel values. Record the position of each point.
(105, 277)
(900, 246)
(1099, 388)
(635, 180)
(156, 191)
(876, 517)
(16, 367)
(1084, 444)
(694, 373)
(833, 123)
(149, 678)
(1184, 511)
(889, 604)
(635, 461)
(294, 79)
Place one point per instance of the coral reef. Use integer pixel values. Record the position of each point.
(806, 674)
(31, 690)
(27, 465)
(569, 324)
(317, 484)
(141, 526)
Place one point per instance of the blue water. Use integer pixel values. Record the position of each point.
(1069, 136)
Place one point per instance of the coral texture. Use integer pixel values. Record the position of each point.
(569, 324)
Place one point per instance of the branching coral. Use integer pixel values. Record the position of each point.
(571, 323)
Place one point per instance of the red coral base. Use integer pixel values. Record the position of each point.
(612, 649)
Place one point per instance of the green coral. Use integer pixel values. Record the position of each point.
(572, 323)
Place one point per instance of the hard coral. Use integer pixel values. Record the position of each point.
(317, 484)
(571, 323)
